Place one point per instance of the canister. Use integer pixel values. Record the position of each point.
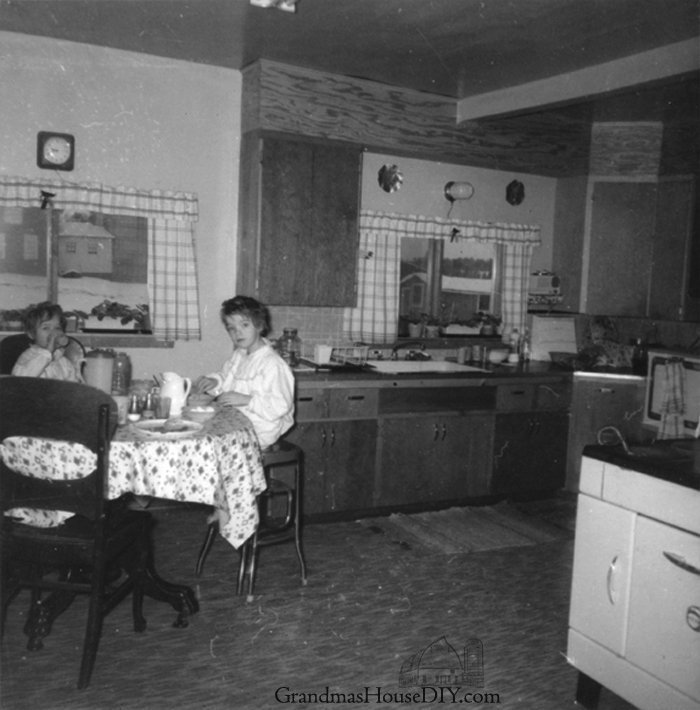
(99, 367)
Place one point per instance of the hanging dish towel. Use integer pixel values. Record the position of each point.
(672, 402)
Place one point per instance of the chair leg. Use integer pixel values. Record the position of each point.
(93, 631)
(297, 526)
(251, 566)
(212, 530)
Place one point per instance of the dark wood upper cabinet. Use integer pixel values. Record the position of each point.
(298, 225)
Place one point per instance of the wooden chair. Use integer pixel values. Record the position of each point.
(11, 347)
(101, 539)
(272, 528)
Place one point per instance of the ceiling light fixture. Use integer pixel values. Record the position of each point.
(285, 5)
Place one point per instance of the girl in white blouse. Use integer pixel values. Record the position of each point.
(255, 378)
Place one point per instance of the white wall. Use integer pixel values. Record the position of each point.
(423, 188)
(144, 122)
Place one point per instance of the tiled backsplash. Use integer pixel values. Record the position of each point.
(314, 325)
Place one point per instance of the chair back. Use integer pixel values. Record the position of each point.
(66, 412)
(11, 347)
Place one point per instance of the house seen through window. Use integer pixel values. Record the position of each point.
(99, 258)
(443, 281)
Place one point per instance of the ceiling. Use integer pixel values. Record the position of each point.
(456, 48)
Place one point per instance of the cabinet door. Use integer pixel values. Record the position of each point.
(663, 634)
(408, 459)
(313, 439)
(529, 452)
(621, 237)
(602, 571)
(599, 403)
(308, 223)
(465, 456)
(350, 465)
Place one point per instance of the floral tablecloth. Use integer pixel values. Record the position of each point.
(220, 465)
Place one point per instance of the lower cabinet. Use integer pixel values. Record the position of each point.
(433, 458)
(339, 464)
(634, 620)
(529, 453)
(599, 402)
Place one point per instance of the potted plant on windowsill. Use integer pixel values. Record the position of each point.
(12, 319)
(111, 315)
(488, 323)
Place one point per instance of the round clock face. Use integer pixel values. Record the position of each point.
(57, 150)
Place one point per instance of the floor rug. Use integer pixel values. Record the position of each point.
(468, 529)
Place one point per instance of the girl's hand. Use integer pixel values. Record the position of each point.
(233, 399)
(204, 384)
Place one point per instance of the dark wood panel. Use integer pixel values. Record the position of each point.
(671, 249)
(405, 122)
(622, 226)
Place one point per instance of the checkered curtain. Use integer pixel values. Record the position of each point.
(375, 319)
(172, 268)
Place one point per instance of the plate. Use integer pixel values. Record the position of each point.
(167, 429)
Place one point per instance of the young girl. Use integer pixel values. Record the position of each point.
(255, 378)
(52, 354)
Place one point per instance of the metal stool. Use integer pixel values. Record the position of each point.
(271, 530)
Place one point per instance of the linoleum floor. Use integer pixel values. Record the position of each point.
(370, 604)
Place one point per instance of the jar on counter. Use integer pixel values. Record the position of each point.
(290, 346)
(121, 374)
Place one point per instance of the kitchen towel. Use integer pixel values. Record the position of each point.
(672, 402)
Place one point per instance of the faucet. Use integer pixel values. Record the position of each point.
(411, 354)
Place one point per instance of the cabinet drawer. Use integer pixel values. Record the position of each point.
(353, 403)
(311, 404)
(664, 614)
(517, 398)
(413, 400)
(553, 395)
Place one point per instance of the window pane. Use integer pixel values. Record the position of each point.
(449, 281)
(100, 257)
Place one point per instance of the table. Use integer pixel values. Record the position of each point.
(220, 465)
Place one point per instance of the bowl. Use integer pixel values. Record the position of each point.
(498, 355)
(200, 413)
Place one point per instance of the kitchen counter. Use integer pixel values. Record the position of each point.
(662, 460)
(495, 374)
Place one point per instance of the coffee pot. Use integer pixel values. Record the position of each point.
(177, 388)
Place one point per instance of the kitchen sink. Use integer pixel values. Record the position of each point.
(397, 367)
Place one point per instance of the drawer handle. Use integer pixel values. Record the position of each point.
(444, 432)
(436, 432)
(609, 581)
(323, 437)
(517, 391)
(305, 399)
(692, 617)
(332, 436)
(606, 390)
(680, 561)
(355, 396)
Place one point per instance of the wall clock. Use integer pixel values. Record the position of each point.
(55, 151)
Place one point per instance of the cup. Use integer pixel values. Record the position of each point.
(477, 353)
(122, 408)
(322, 354)
(163, 408)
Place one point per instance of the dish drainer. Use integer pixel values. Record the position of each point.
(350, 355)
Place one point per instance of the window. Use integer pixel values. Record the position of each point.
(99, 257)
(446, 280)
